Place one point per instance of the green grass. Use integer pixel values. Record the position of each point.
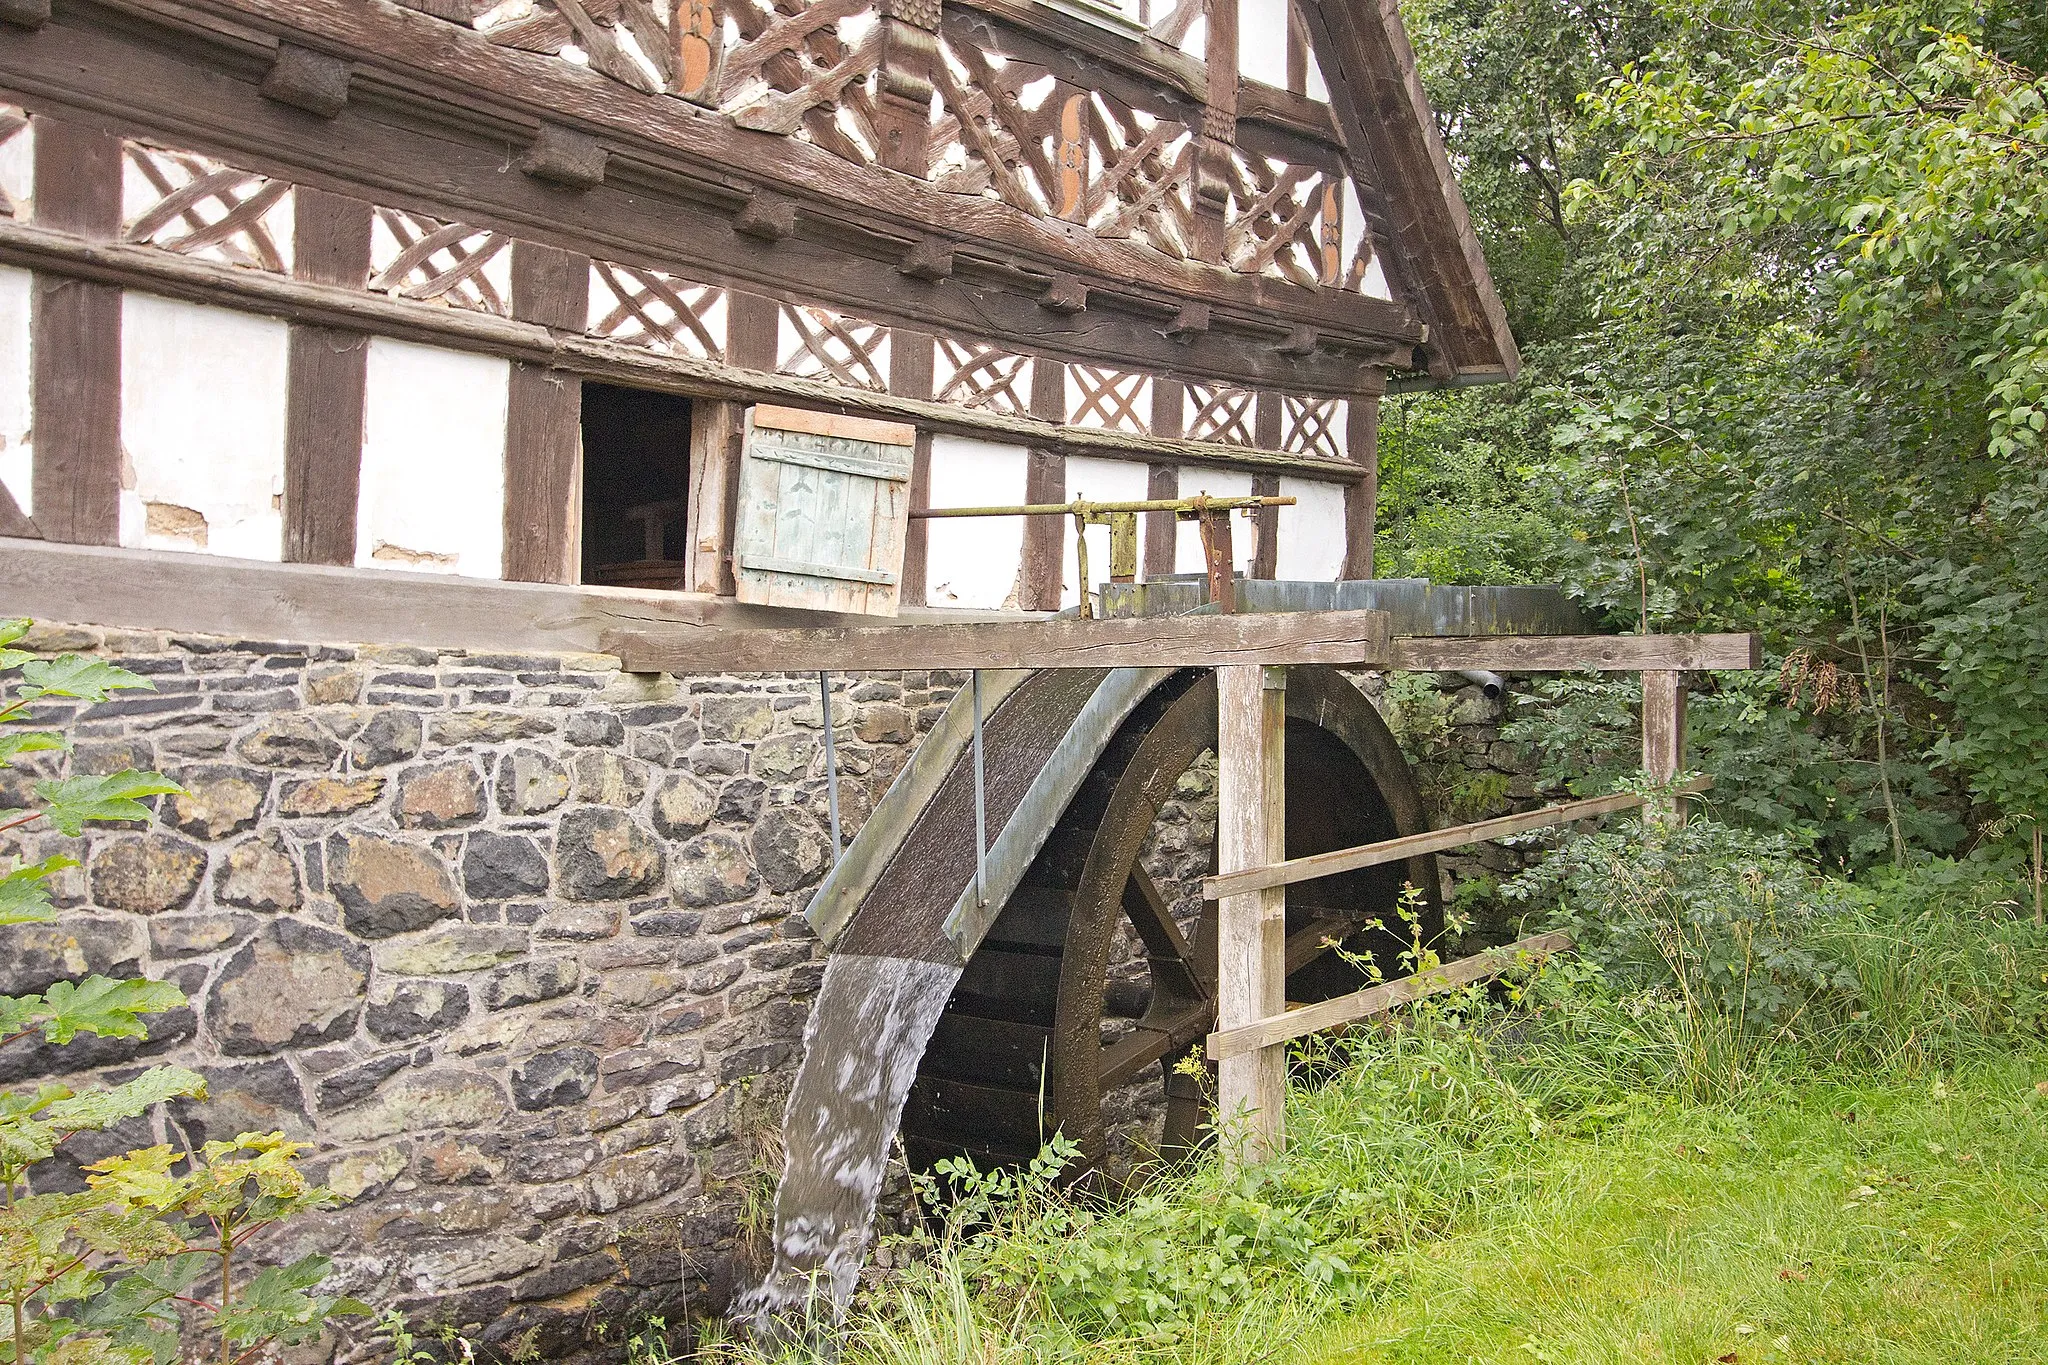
(1779, 1230)
(1758, 1117)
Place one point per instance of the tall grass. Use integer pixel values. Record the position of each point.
(1719, 979)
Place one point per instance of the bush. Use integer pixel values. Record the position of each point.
(1715, 953)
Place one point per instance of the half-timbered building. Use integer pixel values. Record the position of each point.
(369, 369)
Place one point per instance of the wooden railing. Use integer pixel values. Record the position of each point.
(1253, 1020)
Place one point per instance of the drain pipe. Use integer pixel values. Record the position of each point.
(1492, 685)
(831, 761)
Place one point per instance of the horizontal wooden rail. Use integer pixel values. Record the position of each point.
(1348, 1009)
(1301, 637)
(1413, 845)
(1569, 653)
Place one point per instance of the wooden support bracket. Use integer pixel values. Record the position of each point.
(767, 218)
(1228, 1044)
(308, 80)
(563, 156)
(927, 258)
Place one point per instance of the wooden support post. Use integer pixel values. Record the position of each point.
(1361, 499)
(75, 362)
(1266, 546)
(911, 359)
(1251, 929)
(1664, 738)
(717, 431)
(1045, 481)
(1162, 529)
(543, 430)
(326, 377)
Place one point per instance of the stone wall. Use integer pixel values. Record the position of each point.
(514, 939)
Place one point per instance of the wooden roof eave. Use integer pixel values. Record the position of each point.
(407, 58)
(1381, 108)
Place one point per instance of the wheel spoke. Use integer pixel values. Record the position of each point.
(1154, 1037)
(1176, 975)
(1305, 945)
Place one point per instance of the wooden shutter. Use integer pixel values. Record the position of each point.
(823, 506)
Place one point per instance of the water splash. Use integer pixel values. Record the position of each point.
(868, 1031)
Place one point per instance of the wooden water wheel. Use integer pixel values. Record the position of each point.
(1022, 1050)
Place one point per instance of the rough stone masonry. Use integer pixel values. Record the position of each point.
(515, 940)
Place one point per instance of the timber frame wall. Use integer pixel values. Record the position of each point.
(492, 164)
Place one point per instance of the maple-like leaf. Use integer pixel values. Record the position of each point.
(91, 1110)
(24, 899)
(102, 1005)
(26, 741)
(71, 802)
(75, 675)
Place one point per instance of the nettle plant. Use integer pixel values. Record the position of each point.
(111, 1274)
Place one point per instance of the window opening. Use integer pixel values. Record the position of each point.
(636, 477)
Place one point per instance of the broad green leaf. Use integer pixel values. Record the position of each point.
(14, 745)
(91, 1110)
(102, 1005)
(73, 801)
(13, 628)
(24, 899)
(75, 675)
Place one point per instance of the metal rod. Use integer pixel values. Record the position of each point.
(831, 762)
(1062, 509)
(980, 801)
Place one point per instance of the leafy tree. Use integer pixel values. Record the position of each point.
(1790, 373)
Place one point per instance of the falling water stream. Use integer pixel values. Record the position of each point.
(868, 1031)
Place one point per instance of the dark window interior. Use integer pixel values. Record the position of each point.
(636, 473)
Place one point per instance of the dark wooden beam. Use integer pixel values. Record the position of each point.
(1266, 549)
(673, 181)
(1362, 498)
(1332, 637)
(1045, 481)
(75, 358)
(1572, 653)
(163, 272)
(1377, 96)
(326, 371)
(711, 513)
(753, 331)
(1162, 531)
(912, 358)
(543, 435)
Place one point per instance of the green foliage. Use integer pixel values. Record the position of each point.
(1720, 957)
(1783, 760)
(98, 1277)
(1715, 922)
(1786, 325)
